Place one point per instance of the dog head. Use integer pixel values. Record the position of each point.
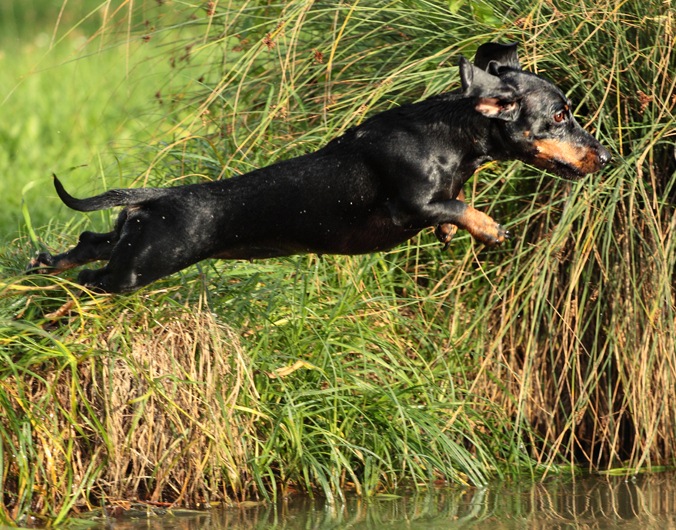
(533, 116)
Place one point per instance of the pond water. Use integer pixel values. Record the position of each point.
(641, 502)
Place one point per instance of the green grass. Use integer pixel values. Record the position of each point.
(238, 380)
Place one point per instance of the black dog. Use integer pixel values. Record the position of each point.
(372, 188)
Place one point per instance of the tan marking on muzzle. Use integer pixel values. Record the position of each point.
(583, 159)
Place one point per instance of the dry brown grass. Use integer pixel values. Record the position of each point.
(146, 408)
(168, 399)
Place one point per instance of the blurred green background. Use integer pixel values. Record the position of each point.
(73, 99)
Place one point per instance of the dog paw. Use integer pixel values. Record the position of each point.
(445, 233)
(495, 236)
(482, 227)
(41, 264)
(503, 234)
(489, 232)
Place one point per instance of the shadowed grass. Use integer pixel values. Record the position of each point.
(234, 381)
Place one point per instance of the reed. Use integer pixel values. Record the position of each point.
(230, 381)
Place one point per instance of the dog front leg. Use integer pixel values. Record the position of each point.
(441, 213)
(482, 227)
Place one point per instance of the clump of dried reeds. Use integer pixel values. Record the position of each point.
(147, 405)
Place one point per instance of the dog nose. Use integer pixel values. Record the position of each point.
(604, 155)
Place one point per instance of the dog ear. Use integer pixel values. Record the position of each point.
(477, 82)
(493, 56)
(496, 108)
(494, 97)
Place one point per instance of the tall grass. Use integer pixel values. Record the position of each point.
(233, 381)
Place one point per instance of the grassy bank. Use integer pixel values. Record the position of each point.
(233, 381)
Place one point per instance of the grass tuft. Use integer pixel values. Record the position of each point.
(144, 402)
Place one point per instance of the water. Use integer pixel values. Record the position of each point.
(643, 502)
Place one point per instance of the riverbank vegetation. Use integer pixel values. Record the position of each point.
(238, 381)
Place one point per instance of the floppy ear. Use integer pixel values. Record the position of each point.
(494, 97)
(493, 56)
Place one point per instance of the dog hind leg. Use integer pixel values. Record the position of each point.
(91, 247)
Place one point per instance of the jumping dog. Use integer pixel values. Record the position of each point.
(368, 190)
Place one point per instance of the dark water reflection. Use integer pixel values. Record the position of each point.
(646, 501)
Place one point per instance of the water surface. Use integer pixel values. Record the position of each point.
(642, 502)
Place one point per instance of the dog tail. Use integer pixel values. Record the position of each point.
(108, 199)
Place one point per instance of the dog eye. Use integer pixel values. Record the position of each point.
(560, 116)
